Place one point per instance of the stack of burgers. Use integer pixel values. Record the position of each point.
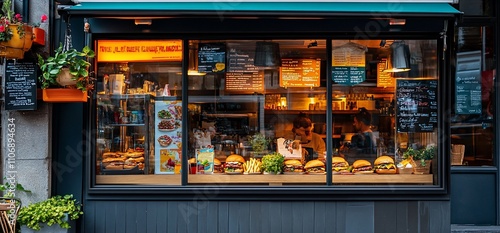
(123, 160)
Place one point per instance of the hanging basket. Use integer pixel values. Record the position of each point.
(39, 36)
(64, 95)
(16, 46)
(64, 78)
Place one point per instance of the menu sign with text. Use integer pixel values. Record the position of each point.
(348, 64)
(300, 72)
(468, 83)
(211, 57)
(242, 74)
(416, 109)
(20, 86)
(384, 79)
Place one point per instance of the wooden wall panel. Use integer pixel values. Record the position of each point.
(266, 216)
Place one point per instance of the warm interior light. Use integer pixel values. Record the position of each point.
(143, 21)
(193, 61)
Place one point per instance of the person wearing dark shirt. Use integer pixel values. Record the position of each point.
(363, 142)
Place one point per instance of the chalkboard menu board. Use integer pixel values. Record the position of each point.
(20, 85)
(241, 73)
(384, 79)
(211, 57)
(416, 105)
(300, 72)
(468, 83)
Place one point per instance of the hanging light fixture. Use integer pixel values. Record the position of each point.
(399, 58)
(267, 54)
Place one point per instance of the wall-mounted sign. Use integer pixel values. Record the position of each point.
(242, 74)
(348, 64)
(212, 57)
(416, 109)
(384, 79)
(138, 50)
(468, 83)
(20, 86)
(300, 72)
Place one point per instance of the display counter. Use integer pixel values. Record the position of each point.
(271, 180)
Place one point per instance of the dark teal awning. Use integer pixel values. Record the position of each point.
(260, 8)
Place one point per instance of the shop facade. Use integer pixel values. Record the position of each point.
(264, 64)
(261, 66)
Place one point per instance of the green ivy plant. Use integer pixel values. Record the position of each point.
(273, 163)
(74, 60)
(7, 189)
(55, 210)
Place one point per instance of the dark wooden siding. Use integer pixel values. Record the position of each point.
(266, 216)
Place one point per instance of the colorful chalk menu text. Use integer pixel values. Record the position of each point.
(416, 105)
(300, 72)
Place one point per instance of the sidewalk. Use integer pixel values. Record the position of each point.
(474, 228)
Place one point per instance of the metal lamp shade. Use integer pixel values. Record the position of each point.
(267, 54)
(399, 58)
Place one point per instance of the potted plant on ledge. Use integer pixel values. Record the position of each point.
(69, 69)
(15, 35)
(44, 216)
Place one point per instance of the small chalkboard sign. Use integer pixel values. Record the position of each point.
(212, 57)
(416, 109)
(20, 85)
(241, 74)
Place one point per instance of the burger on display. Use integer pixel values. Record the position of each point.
(315, 167)
(218, 166)
(293, 166)
(234, 164)
(362, 166)
(339, 165)
(385, 165)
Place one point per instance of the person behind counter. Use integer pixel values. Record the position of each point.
(364, 142)
(310, 141)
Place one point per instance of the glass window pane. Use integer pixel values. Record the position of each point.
(472, 119)
(138, 112)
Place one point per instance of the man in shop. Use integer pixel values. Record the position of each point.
(313, 146)
(364, 142)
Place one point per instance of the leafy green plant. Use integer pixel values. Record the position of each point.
(259, 142)
(411, 153)
(55, 210)
(8, 189)
(273, 163)
(72, 59)
(426, 154)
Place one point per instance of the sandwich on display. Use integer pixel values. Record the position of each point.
(385, 165)
(362, 166)
(293, 166)
(315, 167)
(340, 166)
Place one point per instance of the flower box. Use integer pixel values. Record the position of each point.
(64, 95)
(39, 36)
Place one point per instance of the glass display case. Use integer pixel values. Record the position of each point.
(123, 132)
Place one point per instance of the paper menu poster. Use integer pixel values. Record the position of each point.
(167, 134)
(291, 149)
(205, 158)
(168, 161)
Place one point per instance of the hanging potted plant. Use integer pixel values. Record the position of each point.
(55, 214)
(38, 32)
(15, 35)
(69, 69)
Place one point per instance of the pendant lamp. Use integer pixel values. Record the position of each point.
(267, 54)
(399, 58)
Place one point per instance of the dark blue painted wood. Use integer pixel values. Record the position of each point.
(266, 217)
(360, 217)
(473, 200)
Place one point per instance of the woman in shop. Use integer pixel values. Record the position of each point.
(311, 142)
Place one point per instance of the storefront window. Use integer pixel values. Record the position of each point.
(258, 108)
(472, 126)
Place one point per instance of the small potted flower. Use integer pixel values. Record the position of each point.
(15, 35)
(69, 69)
(55, 214)
(38, 32)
